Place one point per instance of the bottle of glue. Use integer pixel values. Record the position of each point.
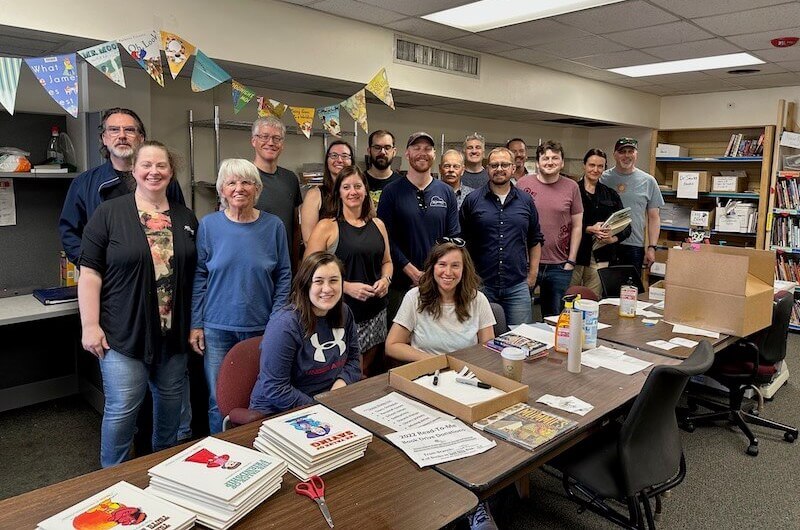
(628, 295)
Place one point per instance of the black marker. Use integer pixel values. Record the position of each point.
(472, 382)
(436, 377)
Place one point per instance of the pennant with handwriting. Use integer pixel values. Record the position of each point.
(105, 57)
(58, 77)
(380, 87)
(270, 107)
(145, 48)
(330, 119)
(206, 74)
(9, 79)
(356, 107)
(304, 116)
(241, 95)
(177, 51)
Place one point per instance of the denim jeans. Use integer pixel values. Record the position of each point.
(185, 427)
(515, 301)
(218, 344)
(630, 255)
(125, 382)
(553, 282)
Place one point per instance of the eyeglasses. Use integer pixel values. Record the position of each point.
(380, 148)
(340, 156)
(116, 131)
(277, 140)
(500, 165)
(457, 241)
(421, 200)
(231, 184)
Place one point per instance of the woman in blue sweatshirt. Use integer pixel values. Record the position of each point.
(310, 346)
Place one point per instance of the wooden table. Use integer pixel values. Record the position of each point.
(495, 469)
(381, 490)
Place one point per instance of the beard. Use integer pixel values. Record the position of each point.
(421, 164)
(121, 150)
(380, 162)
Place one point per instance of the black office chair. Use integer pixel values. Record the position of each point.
(500, 326)
(639, 459)
(614, 277)
(749, 363)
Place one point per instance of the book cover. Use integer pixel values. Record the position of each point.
(56, 295)
(527, 426)
(531, 347)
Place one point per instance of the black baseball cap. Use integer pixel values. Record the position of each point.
(626, 142)
(420, 135)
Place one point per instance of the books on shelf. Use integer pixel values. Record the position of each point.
(787, 195)
(313, 441)
(785, 232)
(524, 425)
(121, 504)
(787, 268)
(739, 146)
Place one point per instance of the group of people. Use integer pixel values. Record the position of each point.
(394, 268)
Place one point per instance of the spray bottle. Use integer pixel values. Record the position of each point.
(562, 326)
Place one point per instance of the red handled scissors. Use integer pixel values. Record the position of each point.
(314, 489)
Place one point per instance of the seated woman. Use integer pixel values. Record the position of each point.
(446, 312)
(320, 201)
(311, 345)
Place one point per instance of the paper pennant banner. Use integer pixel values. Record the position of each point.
(270, 107)
(145, 48)
(206, 74)
(356, 106)
(304, 116)
(177, 51)
(330, 119)
(105, 57)
(241, 96)
(380, 87)
(9, 79)
(58, 77)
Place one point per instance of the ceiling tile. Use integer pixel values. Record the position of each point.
(630, 82)
(581, 47)
(766, 68)
(617, 17)
(776, 55)
(760, 41)
(571, 67)
(300, 2)
(426, 29)
(415, 7)
(616, 60)
(707, 84)
(481, 44)
(691, 50)
(357, 10)
(792, 66)
(534, 32)
(527, 55)
(769, 80)
(672, 33)
(695, 8)
(754, 20)
(671, 79)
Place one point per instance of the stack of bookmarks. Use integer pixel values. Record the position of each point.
(313, 441)
(218, 480)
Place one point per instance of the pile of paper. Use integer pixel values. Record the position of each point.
(122, 504)
(220, 481)
(313, 441)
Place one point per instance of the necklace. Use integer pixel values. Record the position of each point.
(156, 205)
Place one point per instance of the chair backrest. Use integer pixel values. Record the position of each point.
(772, 343)
(584, 292)
(500, 326)
(649, 445)
(237, 375)
(614, 277)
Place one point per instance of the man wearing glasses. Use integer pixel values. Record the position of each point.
(417, 210)
(281, 194)
(501, 227)
(380, 152)
(121, 131)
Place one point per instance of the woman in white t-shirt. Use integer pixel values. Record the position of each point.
(446, 312)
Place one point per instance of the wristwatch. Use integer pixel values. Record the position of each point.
(388, 279)
(654, 247)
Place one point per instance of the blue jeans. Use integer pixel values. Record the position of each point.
(553, 282)
(185, 427)
(125, 382)
(515, 301)
(218, 344)
(630, 255)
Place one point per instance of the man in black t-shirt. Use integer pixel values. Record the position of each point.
(380, 152)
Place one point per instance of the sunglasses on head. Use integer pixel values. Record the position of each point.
(457, 241)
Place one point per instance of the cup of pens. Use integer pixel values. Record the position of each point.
(512, 362)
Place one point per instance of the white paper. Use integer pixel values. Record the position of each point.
(448, 387)
(680, 341)
(554, 320)
(688, 330)
(545, 336)
(613, 359)
(640, 305)
(688, 184)
(399, 413)
(648, 314)
(8, 208)
(568, 403)
(443, 441)
(659, 305)
(651, 321)
(662, 344)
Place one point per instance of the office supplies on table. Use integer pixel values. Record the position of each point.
(314, 489)
(473, 382)
(436, 377)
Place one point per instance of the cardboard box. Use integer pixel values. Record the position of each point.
(702, 218)
(724, 289)
(704, 180)
(729, 184)
(402, 379)
(675, 214)
(669, 150)
(657, 291)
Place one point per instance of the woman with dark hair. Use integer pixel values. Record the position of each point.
(359, 239)
(311, 345)
(321, 202)
(446, 312)
(599, 202)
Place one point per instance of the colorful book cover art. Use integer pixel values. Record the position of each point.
(379, 85)
(177, 50)
(107, 514)
(9, 79)
(330, 119)
(356, 107)
(529, 427)
(206, 73)
(316, 431)
(59, 78)
(304, 116)
(105, 57)
(145, 48)
(270, 107)
(241, 95)
(207, 458)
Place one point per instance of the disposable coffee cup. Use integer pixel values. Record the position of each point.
(512, 362)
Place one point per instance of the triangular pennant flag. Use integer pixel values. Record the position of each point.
(241, 96)
(177, 51)
(330, 119)
(58, 77)
(356, 106)
(304, 116)
(9, 79)
(380, 87)
(105, 57)
(270, 107)
(145, 48)
(206, 74)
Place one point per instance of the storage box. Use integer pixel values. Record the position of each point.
(675, 214)
(724, 289)
(657, 290)
(402, 379)
(703, 180)
(723, 183)
(702, 218)
(670, 150)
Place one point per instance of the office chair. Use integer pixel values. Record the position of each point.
(500, 326)
(639, 459)
(614, 277)
(749, 363)
(235, 382)
(584, 292)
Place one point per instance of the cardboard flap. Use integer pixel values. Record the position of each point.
(761, 263)
(714, 272)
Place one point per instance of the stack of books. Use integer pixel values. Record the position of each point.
(220, 481)
(125, 505)
(313, 441)
(616, 223)
(524, 425)
(533, 348)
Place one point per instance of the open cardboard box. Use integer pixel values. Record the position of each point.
(402, 378)
(724, 289)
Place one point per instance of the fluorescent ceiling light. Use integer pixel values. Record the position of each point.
(490, 14)
(688, 65)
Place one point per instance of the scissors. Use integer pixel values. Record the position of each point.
(314, 489)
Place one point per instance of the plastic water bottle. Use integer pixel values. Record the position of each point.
(54, 153)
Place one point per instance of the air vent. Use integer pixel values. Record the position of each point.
(578, 122)
(432, 58)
